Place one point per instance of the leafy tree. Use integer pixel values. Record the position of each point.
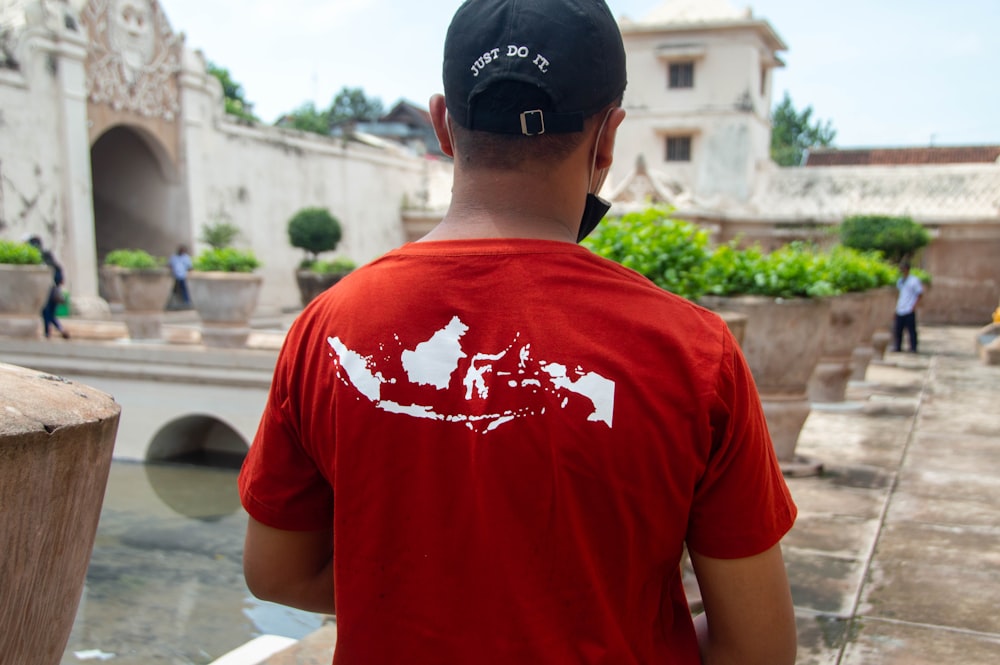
(236, 102)
(895, 237)
(350, 104)
(307, 118)
(353, 104)
(793, 132)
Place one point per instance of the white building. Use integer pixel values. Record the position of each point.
(697, 137)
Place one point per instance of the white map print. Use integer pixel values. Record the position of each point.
(437, 361)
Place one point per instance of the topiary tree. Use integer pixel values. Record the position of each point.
(314, 230)
(896, 237)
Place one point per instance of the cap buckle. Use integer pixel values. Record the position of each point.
(538, 122)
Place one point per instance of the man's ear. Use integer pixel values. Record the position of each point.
(439, 118)
(606, 146)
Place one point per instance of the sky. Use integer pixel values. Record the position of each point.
(883, 72)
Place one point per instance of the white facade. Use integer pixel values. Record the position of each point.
(716, 101)
(112, 135)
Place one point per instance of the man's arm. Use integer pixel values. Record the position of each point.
(294, 568)
(748, 618)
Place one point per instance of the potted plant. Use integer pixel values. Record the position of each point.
(224, 288)
(856, 275)
(144, 284)
(315, 231)
(27, 282)
(787, 305)
(773, 303)
(672, 253)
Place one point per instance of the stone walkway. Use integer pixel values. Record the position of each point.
(895, 558)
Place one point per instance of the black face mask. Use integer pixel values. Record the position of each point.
(593, 213)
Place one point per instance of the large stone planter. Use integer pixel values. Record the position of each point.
(144, 296)
(848, 323)
(875, 337)
(311, 284)
(737, 324)
(56, 442)
(24, 293)
(782, 343)
(109, 286)
(224, 301)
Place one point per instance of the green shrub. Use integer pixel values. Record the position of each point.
(314, 230)
(338, 265)
(793, 271)
(133, 259)
(921, 274)
(219, 235)
(670, 252)
(226, 259)
(895, 237)
(850, 270)
(19, 253)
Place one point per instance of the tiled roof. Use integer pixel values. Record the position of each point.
(972, 154)
(948, 192)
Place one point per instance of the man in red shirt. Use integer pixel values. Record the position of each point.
(491, 446)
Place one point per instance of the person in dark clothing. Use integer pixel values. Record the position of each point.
(49, 319)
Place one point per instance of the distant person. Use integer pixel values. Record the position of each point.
(55, 297)
(502, 462)
(910, 290)
(180, 264)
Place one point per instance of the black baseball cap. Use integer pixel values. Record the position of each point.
(569, 49)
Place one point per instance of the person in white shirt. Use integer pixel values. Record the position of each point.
(180, 264)
(910, 289)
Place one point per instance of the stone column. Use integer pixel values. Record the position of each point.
(69, 50)
(56, 442)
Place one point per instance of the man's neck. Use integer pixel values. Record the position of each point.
(511, 205)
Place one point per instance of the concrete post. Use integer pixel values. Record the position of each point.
(56, 443)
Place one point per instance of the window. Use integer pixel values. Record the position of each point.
(678, 148)
(681, 75)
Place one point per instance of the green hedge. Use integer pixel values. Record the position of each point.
(670, 252)
(674, 254)
(226, 259)
(19, 253)
(134, 259)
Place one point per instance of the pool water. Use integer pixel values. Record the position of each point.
(165, 582)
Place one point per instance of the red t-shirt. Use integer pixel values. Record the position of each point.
(512, 440)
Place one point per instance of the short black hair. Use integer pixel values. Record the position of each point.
(481, 149)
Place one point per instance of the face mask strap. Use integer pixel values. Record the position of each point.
(591, 189)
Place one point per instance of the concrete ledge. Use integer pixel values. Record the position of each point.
(256, 651)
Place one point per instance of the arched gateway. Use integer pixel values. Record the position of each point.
(114, 135)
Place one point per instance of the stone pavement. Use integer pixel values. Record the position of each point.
(895, 557)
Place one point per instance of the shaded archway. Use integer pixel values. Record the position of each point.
(138, 200)
(189, 466)
(198, 439)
